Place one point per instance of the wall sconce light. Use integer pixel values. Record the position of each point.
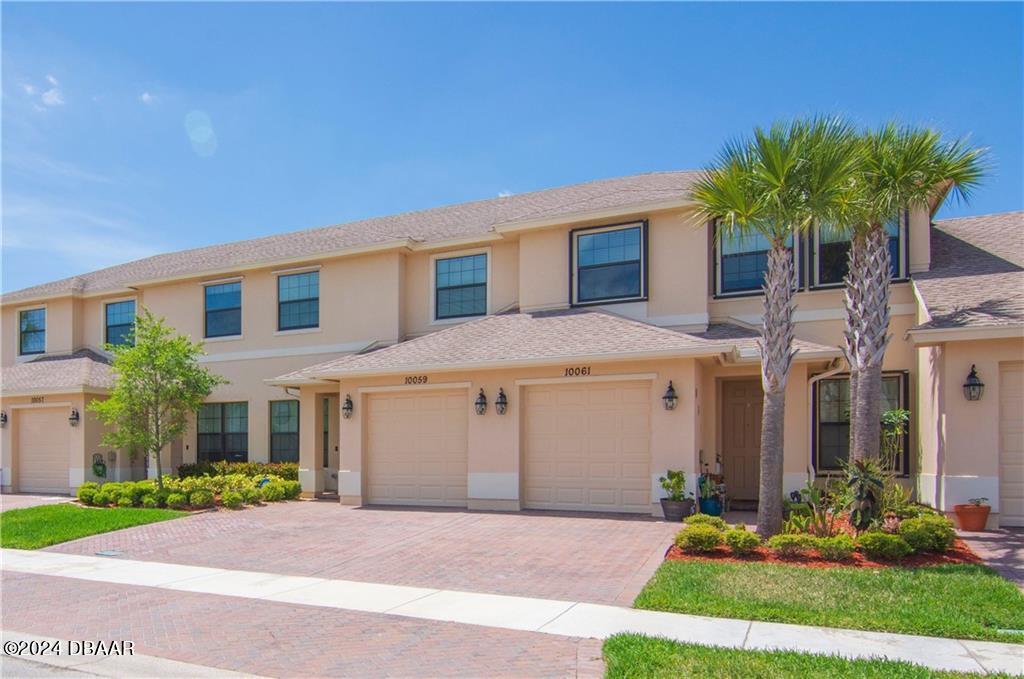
(481, 403)
(347, 407)
(3, 418)
(973, 387)
(73, 418)
(671, 399)
(501, 403)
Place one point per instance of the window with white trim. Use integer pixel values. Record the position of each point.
(119, 319)
(284, 431)
(832, 419)
(32, 331)
(609, 263)
(298, 301)
(460, 286)
(223, 309)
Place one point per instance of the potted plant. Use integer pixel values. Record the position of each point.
(710, 503)
(676, 505)
(973, 515)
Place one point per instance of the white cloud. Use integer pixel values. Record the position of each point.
(29, 89)
(51, 169)
(505, 194)
(50, 79)
(52, 97)
(147, 98)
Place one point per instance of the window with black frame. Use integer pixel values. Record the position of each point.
(460, 286)
(832, 414)
(32, 331)
(741, 262)
(284, 431)
(832, 248)
(298, 301)
(120, 322)
(609, 264)
(223, 309)
(223, 432)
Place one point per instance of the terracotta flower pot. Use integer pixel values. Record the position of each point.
(971, 517)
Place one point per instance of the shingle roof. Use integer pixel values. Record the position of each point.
(437, 224)
(82, 369)
(976, 278)
(509, 339)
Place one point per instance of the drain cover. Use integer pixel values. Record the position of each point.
(110, 552)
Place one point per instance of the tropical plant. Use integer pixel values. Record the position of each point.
(158, 383)
(865, 480)
(777, 184)
(885, 546)
(791, 545)
(836, 548)
(821, 519)
(741, 541)
(674, 484)
(901, 168)
(699, 538)
(715, 522)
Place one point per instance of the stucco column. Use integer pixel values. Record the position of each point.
(350, 465)
(493, 446)
(310, 472)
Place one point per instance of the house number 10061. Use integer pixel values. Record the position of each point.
(577, 371)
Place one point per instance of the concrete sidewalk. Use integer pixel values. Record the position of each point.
(548, 616)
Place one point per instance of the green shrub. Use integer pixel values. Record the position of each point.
(928, 533)
(250, 496)
(125, 501)
(289, 471)
(231, 499)
(791, 545)
(200, 498)
(706, 520)
(273, 492)
(101, 498)
(150, 501)
(884, 546)
(699, 538)
(87, 492)
(741, 541)
(836, 548)
(292, 489)
(177, 500)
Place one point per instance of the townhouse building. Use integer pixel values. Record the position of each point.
(557, 350)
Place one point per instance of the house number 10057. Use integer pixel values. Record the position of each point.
(577, 371)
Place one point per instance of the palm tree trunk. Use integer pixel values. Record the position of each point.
(776, 346)
(853, 301)
(873, 340)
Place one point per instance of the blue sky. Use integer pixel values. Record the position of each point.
(132, 129)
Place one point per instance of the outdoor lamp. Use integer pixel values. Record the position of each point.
(3, 418)
(73, 418)
(346, 407)
(973, 387)
(481, 403)
(670, 398)
(501, 403)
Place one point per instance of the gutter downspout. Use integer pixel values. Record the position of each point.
(835, 368)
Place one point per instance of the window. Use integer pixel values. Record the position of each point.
(609, 264)
(460, 286)
(284, 431)
(832, 415)
(224, 432)
(741, 261)
(32, 331)
(224, 310)
(120, 322)
(298, 301)
(832, 248)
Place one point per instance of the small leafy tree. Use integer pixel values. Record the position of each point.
(158, 382)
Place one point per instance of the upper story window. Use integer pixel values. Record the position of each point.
(460, 286)
(32, 331)
(284, 431)
(832, 419)
(609, 263)
(298, 300)
(223, 432)
(119, 318)
(224, 309)
(741, 260)
(831, 250)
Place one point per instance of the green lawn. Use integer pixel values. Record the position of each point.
(962, 601)
(46, 525)
(632, 656)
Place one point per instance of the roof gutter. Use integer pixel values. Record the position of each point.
(931, 336)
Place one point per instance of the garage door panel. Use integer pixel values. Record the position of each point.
(417, 449)
(44, 440)
(597, 457)
(1011, 444)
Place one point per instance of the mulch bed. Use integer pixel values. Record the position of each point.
(959, 554)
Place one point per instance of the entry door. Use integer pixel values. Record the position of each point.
(741, 437)
(1011, 444)
(329, 441)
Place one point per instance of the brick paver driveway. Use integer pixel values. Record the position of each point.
(595, 558)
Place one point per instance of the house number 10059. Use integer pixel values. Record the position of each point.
(577, 371)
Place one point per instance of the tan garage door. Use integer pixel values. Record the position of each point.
(1011, 444)
(587, 447)
(416, 448)
(44, 439)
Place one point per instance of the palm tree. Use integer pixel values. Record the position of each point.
(902, 168)
(776, 184)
